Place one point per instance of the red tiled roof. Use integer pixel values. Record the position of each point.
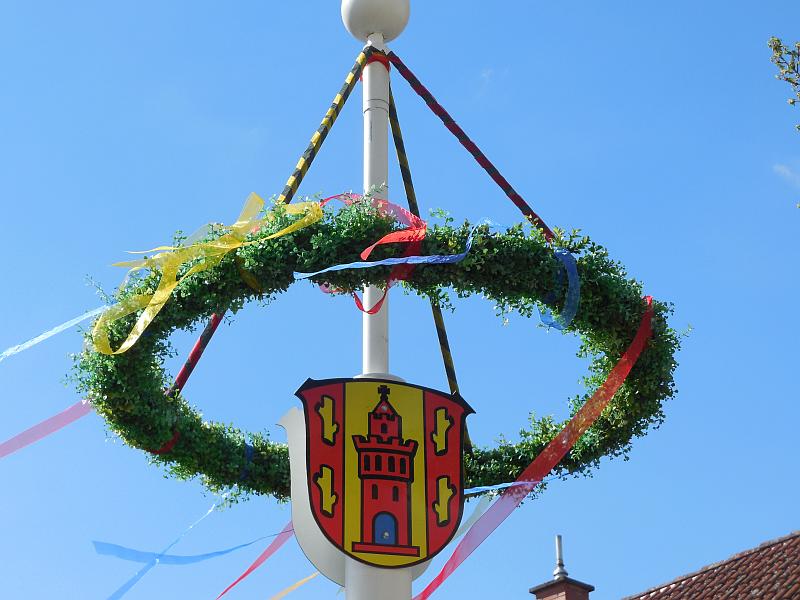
(772, 570)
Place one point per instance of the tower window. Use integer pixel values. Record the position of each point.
(403, 466)
(391, 464)
(367, 462)
(395, 493)
(378, 463)
(374, 492)
(384, 428)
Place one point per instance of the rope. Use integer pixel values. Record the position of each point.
(465, 141)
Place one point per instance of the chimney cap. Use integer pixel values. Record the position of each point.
(564, 581)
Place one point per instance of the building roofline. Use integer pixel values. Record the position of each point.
(713, 566)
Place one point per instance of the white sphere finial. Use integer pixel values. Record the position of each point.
(365, 17)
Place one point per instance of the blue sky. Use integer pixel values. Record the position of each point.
(656, 128)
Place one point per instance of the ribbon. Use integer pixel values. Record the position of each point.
(438, 259)
(48, 334)
(549, 458)
(294, 586)
(156, 558)
(204, 255)
(415, 232)
(489, 488)
(280, 540)
(130, 554)
(563, 320)
(249, 450)
(45, 428)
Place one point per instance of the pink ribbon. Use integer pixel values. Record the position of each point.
(276, 544)
(45, 428)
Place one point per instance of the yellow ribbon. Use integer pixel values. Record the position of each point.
(294, 586)
(170, 259)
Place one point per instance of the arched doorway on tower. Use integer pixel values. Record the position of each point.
(384, 529)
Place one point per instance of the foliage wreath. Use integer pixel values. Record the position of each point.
(515, 269)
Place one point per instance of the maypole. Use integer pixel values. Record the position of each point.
(377, 468)
(376, 22)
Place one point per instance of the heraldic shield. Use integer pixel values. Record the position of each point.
(385, 480)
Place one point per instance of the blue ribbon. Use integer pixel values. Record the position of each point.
(573, 300)
(48, 334)
(491, 488)
(123, 553)
(436, 259)
(248, 458)
(155, 559)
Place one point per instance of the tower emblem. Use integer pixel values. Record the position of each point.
(384, 467)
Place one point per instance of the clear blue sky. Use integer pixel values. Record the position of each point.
(657, 128)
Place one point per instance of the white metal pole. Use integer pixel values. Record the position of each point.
(363, 582)
(375, 343)
(376, 22)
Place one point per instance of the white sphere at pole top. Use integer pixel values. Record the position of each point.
(362, 18)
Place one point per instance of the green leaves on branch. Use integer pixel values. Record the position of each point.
(787, 60)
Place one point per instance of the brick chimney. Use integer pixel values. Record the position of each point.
(561, 587)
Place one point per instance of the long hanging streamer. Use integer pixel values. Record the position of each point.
(132, 555)
(128, 585)
(48, 334)
(45, 428)
(294, 586)
(550, 456)
(280, 540)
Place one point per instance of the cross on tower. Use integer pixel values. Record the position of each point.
(384, 391)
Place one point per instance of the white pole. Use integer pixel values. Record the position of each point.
(376, 21)
(363, 582)
(375, 344)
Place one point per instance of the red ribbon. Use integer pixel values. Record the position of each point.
(167, 448)
(549, 458)
(413, 235)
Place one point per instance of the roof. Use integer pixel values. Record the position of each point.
(772, 570)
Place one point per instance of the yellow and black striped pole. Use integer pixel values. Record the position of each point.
(320, 134)
(413, 206)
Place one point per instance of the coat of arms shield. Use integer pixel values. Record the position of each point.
(385, 479)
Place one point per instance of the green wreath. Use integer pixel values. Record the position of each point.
(516, 270)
